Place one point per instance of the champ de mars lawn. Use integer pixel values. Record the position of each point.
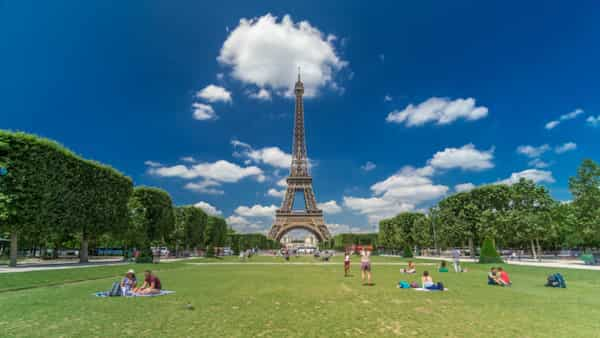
(298, 300)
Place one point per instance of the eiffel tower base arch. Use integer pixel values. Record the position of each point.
(286, 222)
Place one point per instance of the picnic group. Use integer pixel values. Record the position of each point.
(129, 285)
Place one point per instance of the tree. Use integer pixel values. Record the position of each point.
(152, 218)
(215, 234)
(585, 188)
(190, 223)
(488, 253)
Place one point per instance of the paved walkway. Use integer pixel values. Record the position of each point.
(61, 265)
(562, 264)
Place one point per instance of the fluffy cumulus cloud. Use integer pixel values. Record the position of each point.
(438, 110)
(203, 111)
(538, 163)
(206, 187)
(256, 211)
(368, 166)
(219, 171)
(212, 93)
(276, 193)
(593, 121)
(569, 116)
(266, 52)
(262, 94)
(153, 164)
(467, 158)
(272, 156)
(535, 175)
(209, 209)
(533, 151)
(376, 208)
(409, 186)
(330, 207)
(464, 187)
(563, 148)
(243, 225)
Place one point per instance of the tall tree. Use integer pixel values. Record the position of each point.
(152, 219)
(585, 188)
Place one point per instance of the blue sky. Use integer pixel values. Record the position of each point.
(407, 102)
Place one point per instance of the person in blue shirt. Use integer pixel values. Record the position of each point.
(129, 282)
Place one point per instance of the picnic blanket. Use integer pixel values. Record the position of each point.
(162, 293)
(428, 290)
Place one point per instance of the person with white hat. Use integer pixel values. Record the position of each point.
(129, 282)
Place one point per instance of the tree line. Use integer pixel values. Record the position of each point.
(522, 215)
(51, 197)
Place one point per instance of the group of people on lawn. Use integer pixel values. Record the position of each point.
(151, 284)
(497, 276)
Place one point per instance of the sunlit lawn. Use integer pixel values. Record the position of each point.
(244, 300)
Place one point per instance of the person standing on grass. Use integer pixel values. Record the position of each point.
(346, 263)
(151, 284)
(365, 266)
(456, 259)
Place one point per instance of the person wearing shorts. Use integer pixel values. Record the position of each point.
(346, 263)
(365, 266)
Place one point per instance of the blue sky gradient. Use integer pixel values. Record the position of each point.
(116, 82)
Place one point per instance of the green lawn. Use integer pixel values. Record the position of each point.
(245, 300)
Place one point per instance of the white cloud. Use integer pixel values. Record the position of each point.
(532, 151)
(464, 187)
(336, 229)
(537, 163)
(535, 175)
(276, 193)
(203, 111)
(152, 164)
(220, 171)
(439, 110)
(272, 156)
(261, 94)
(387, 98)
(243, 225)
(564, 117)
(593, 121)
(565, 147)
(410, 186)
(212, 93)
(209, 209)
(188, 159)
(266, 52)
(467, 158)
(234, 220)
(330, 207)
(376, 208)
(368, 166)
(205, 187)
(256, 211)
(282, 182)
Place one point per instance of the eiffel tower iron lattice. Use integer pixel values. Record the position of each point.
(299, 181)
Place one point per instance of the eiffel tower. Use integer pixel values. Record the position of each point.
(311, 218)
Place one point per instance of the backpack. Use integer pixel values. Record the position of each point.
(115, 291)
(403, 285)
(561, 280)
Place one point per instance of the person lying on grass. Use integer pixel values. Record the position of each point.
(412, 268)
(129, 282)
(151, 284)
(504, 279)
(443, 267)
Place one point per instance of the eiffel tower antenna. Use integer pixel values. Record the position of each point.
(311, 217)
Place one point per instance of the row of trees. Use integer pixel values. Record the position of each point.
(51, 197)
(521, 215)
(342, 241)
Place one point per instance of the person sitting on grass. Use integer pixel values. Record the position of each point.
(150, 286)
(427, 282)
(443, 267)
(504, 279)
(129, 282)
(493, 278)
(412, 268)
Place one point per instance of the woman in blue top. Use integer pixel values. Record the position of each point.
(129, 282)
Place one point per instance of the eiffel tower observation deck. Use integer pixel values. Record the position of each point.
(309, 218)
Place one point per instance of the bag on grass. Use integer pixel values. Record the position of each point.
(115, 291)
(561, 280)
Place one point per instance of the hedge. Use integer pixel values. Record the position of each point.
(152, 218)
(48, 189)
(488, 253)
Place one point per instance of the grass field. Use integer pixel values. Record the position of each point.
(310, 300)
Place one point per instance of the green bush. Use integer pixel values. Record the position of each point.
(407, 252)
(488, 253)
(145, 256)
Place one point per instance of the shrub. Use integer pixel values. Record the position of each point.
(488, 253)
(407, 252)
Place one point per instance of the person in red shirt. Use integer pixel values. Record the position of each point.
(504, 279)
(151, 284)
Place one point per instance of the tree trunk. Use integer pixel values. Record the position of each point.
(471, 248)
(13, 249)
(533, 250)
(83, 252)
(539, 248)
